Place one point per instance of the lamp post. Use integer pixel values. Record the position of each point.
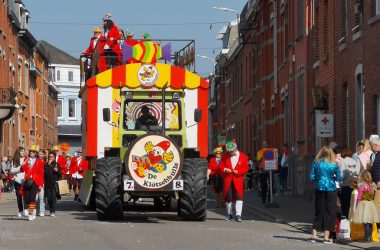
(210, 59)
(228, 10)
(6, 112)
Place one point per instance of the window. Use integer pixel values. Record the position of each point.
(71, 76)
(301, 17)
(359, 108)
(145, 114)
(72, 108)
(377, 7)
(19, 76)
(26, 79)
(316, 33)
(325, 29)
(60, 108)
(58, 75)
(344, 24)
(346, 117)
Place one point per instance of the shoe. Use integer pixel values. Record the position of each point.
(229, 217)
(76, 197)
(31, 217)
(52, 214)
(34, 212)
(327, 241)
(312, 240)
(238, 218)
(41, 214)
(19, 215)
(26, 212)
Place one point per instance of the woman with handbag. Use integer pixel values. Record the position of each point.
(19, 159)
(33, 181)
(52, 173)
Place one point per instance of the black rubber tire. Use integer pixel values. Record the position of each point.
(108, 189)
(193, 198)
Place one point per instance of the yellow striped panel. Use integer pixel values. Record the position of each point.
(115, 118)
(132, 80)
(192, 81)
(164, 75)
(104, 79)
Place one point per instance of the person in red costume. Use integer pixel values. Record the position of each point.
(131, 42)
(94, 40)
(217, 181)
(78, 167)
(33, 180)
(233, 167)
(60, 159)
(111, 45)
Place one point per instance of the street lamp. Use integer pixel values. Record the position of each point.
(210, 59)
(6, 112)
(229, 10)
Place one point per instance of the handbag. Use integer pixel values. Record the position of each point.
(357, 232)
(28, 184)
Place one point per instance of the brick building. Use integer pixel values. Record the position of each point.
(292, 60)
(24, 70)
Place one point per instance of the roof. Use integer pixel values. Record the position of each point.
(148, 75)
(58, 56)
(69, 130)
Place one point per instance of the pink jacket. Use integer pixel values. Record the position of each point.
(365, 157)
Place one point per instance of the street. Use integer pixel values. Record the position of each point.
(75, 228)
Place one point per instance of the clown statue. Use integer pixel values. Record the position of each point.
(216, 178)
(233, 167)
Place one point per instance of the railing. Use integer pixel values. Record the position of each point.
(7, 95)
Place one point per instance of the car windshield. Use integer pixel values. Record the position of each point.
(147, 115)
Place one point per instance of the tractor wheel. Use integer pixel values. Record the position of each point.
(193, 198)
(108, 189)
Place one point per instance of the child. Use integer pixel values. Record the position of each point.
(354, 196)
(366, 212)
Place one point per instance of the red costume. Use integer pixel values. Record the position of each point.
(111, 40)
(36, 173)
(91, 47)
(228, 178)
(60, 159)
(131, 42)
(80, 168)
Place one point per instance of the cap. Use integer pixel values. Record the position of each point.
(129, 33)
(218, 150)
(56, 148)
(146, 36)
(164, 145)
(34, 148)
(107, 17)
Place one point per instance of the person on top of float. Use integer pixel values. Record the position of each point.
(110, 43)
(94, 40)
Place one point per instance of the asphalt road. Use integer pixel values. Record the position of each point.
(75, 228)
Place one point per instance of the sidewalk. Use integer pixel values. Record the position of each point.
(294, 211)
(7, 196)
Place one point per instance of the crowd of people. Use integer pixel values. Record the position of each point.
(347, 188)
(33, 175)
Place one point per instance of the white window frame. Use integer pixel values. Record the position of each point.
(60, 101)
(70, 72)
(19, 74)
(58, 75)
(26, 78)
(75, 109)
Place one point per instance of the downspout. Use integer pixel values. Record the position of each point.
(275, 46)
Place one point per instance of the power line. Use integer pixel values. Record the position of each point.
(132, 24)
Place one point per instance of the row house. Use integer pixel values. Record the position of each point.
(24, 71)
(292, 60)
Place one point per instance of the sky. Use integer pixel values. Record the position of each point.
(68, 24)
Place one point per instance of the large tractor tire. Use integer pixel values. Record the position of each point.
(108, 189)
(193, 198)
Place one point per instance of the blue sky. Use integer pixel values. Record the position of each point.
(68, 24)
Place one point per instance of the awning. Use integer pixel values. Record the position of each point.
(146, 76)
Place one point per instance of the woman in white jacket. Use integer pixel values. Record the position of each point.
(19, 158)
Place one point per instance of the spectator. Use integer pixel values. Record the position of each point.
(325, 172)
(349, 171)
(234, 165)
(284, 166)
(5, 168)
(67, 172)
(359, 150)
(52, 174)
(366, 212)
(375, 165)
(263, 174)
(19, 159)
(365, 157)
(216, 179)
(33, 181)
(60, 158)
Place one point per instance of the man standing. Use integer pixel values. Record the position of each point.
(78, 167)
(233, 167)
(60, 160)
(263, 174)
(375, 166)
